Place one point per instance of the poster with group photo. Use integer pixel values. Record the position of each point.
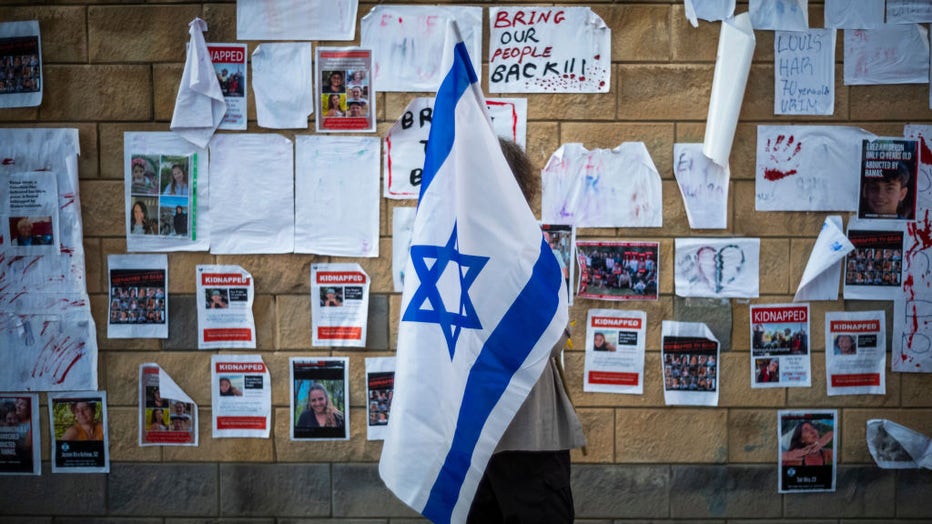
(807, 441)
(346, 99)
(618, 270)
(319, 398)
(21, 81)
(78, 430)
(20, 452)
(225, 295)
(615, 341)
(229, 61)
(167, 415)
(855, 352)
(889, 169)
(689, 352)
(380, 388)
(138, 296)
(562, 241)
(873, 271)
(780, 355)
(241, 396)
(339, 305)
(29, 216)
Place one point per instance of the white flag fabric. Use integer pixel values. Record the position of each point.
(483, 305)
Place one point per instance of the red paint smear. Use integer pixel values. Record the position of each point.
(925, 154)
(597, 57)
(915, 326)
(908, 287)
(68, 369)
(29, 265)
(45, 326)
(8, 162)
(582, 79)
(70, 200)
(775, 174)
(17, 258)
(922, 235)
(66, 250)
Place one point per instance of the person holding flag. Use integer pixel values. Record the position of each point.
(483, 310)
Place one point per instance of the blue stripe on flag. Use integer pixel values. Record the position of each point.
(503, 353)
(440, 140)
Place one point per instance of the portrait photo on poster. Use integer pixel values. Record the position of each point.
(319, 398)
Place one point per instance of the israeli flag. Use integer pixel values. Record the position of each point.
(483, 305)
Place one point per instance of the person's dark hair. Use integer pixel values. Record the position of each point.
(796, 439)
(902, 174)
(520, 165)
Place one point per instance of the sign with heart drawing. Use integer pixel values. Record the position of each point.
(717, 267)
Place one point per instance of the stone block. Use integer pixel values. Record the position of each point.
(743, 160)
(359, 492)
(102, 208)
(543, 138)
(912, 494)
(54, 494)
(17, 114)
(693, 44)
(294, 321)
(713, 312)
(748, 222)
(210, 449)
(357, 449)
(379, 269)
(724, 491)
(64, 38)
(263, 310)
(599, 429)
(915, 389)
(221, 22)
(295, 490)
(93, 266)
(854, 429)
(94, 93)
(111, 146)
(616, 491)
(644, 91)
(377, 323)
(639, 33)
(182, 270)
(123, 424)
(394, 316)
(735, 382)
(774, 270)
(143, 489)
(800, 249)
(165, 81)
(396, 103)
(676, 431)
(153, 33)
(182, 322)
(276, 274)
(751, 436)
(675, 220)
(579, 106)
(861, 491)
(905, 102)
(817, 395)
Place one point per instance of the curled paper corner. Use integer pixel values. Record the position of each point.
(894, 446)
(820, 278)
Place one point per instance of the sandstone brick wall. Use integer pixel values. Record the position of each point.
(114, 65)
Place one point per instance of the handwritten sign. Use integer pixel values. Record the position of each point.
(804, 72)
(892, 54)
(703, 185)
(548, 50)
(854, 14)
(779, 15)
(909, 11)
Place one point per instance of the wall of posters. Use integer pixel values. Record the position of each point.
(616, 270)
(241, 396)
(78, 432)
(20, 452)
(808, 442)
(224, 298)
(339, 305)
(167, 415)
(855, 353)
(615, 343)
(319, 398)
(780, 355)
(138, 296)
(689, 352)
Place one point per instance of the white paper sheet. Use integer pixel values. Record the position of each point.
(602, 188)
(45, 315)
(710, 10)
(874, 271)
(894, 446)
(779, 15)
(717, 267)
(909, 11)
(283, 84)
(296, 19)
(804, 72)
(337, 195)
(253, 194)
(380, 387)
(23, 83)
(241, 396)
(156, 188)
(820, 278)
(855, 353)
(808, 168)
(548, 50)
(138, 287)
(807, 451)
(780, 352)
(686, 349)
(405, 141)
(912, 344)
(615, 343)
(891, 54)
(854, 14)
(199, 106)
(229, 62)
(339, 305)
(703, 185)
(224, 299)
(20, 442)
(409, 43)
(402, 228)
(79, 447)
(320, 400)
(732, 66)
(167, 415)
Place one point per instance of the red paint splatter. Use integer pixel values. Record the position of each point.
(925, 154)
(602, 83)
(582, 79)
(775, 174)
(74, 361)
(921, 232)
(15, 259)
(908, 287)
(8, 162)
(597, 57)
(69, 197)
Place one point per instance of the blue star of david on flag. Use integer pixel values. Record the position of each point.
(427, 302)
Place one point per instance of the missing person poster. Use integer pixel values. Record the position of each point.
(346, 100)
(616, 270)
(21, 81)
(30, 213)
(807, 450)
(855, 352)
(319, 398)
(230, 64)
(380, 388)
(241, 394)
(20, 451)
(224, 307)
(562, 241)
(138, 296)
(888, 179)
(78, 429)
(780, 354)
(167, 415)
(689, 353)
(874, 270)
(615, 341)
(339, 305)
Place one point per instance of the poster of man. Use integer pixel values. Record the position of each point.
(888, 179)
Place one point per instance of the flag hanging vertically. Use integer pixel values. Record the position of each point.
(483, 305)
